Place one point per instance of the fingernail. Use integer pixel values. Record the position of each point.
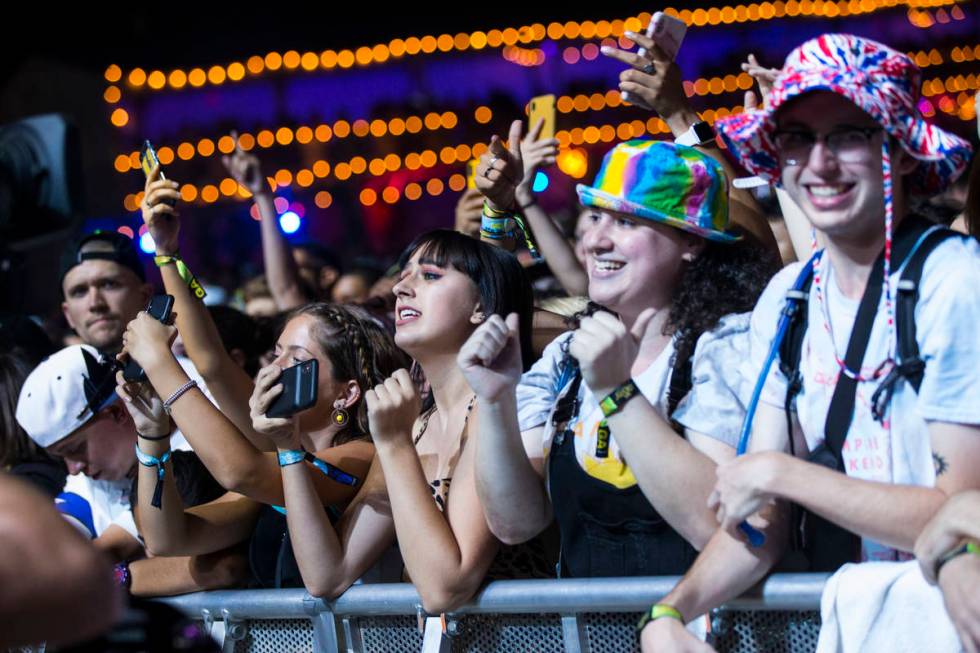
(629, 33)
(606, 49)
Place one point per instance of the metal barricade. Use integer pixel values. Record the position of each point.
(596, 615)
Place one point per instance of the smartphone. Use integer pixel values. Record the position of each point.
(542, 107)
(298, 389)
(148, 159)
(160, 307)
(668, 33)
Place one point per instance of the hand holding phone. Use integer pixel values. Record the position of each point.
(299, 389)
(542, 109)
(667, 33)
(160, 307)
(149, 161)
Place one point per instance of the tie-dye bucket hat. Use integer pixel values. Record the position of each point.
(664, 182)
(881, 81)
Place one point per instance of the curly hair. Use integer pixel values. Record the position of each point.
(723, 279)
(358, 349)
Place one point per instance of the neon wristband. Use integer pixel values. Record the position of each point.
(492, 212)
(184, 272)
(615, 400)
(658, 611)
(290, 457)
(969, 547)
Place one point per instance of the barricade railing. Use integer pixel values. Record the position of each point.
(564, 616)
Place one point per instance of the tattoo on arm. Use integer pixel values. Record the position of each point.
(940, 463)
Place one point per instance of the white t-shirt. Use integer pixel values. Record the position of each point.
(109, 500)
(946, 318)
(715, 406)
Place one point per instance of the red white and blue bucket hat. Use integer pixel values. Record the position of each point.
(881, 81)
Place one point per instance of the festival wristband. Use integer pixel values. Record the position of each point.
(147, 460)
(184, 272)
(615, 400)
(969, 547)
(497, 225)
(492, 212)
(293, 456)
(658, 611)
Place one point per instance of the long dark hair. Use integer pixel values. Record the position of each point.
(358, 349)
(498, 277)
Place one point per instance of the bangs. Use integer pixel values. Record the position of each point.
(445, 249)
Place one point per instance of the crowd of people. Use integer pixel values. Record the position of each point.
(700, 400)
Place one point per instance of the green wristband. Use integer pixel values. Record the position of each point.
(657, 611)
(615, 400)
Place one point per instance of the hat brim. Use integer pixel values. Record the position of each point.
(590, 196)
(942, 156)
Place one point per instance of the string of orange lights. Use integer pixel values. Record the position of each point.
(448, 120)
(304, 135)
(292, 60)
(962, 107)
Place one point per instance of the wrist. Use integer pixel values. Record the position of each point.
(681, 120)
(523, 195)
(394, 444)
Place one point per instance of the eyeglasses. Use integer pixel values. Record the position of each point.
(848, 144)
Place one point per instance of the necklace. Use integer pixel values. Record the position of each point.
(885, 365)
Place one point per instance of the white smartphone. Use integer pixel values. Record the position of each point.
(668, 33)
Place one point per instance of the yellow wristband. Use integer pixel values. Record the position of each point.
(184, 272)
(658, 611)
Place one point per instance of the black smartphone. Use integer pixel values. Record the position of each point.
(148, 159)
(159, 307)
(298, 389)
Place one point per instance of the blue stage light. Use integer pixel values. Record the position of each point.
(147, 244)
(289, 222)
(540, 182)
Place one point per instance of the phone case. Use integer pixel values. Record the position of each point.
(542, 107)
(160, 307)
(299, 384)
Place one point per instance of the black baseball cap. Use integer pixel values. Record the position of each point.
(122, 250)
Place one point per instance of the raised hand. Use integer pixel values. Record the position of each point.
(267, 388)
(765, 77)
(606, 349)
(145, 407)
(535, 154)
(245, 168)
(159, 211)
(501, 169)
(652, 80)
(491, 357)
(147, 340)
(392, 407)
